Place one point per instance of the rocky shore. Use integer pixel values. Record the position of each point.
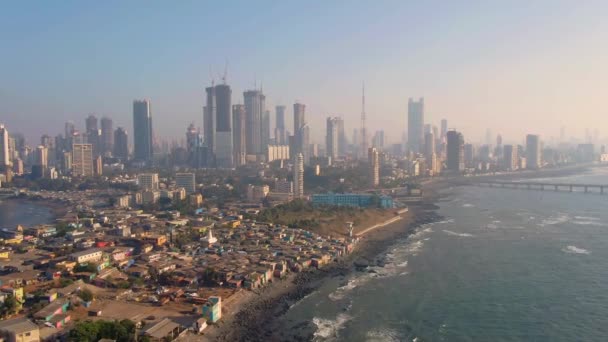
(256, 317)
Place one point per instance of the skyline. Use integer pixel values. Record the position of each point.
(469, 62)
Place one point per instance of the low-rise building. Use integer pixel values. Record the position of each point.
(19, 330)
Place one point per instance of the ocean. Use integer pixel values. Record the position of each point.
(504, 265)
(25, 213)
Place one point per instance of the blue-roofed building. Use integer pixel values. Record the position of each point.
(351, 200)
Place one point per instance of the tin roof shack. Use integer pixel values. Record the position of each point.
(47, 313)
(165, 330)
(19, 330)
(212, 310)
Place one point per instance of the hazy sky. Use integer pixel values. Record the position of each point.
(514, 66)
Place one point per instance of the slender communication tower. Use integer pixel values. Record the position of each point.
(363, 151)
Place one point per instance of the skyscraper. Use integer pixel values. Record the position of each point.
(341, 138)
(223, 127)
(332, 139)
(239, 134)
(444, 129)
(121, 144)
(455, 158)
(107, 141)
(186, 181)
(429, 146)
(533, 152)
(298, 176)
(82, 160)
(304, 142)
(363, 130)
(374, 166)
(415, 125)
(142, 131)
(91, 123)
(510, 158)
(209, 118)
(254, 110)
(92, 133)
(279, 131)
(5, 157)
(265, 130)
(299, 120)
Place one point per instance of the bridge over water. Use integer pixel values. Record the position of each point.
(542, 186)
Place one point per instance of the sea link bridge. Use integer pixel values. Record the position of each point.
(541, 186)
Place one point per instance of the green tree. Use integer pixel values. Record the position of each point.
(86, 295)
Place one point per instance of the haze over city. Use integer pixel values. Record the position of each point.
(63, 61)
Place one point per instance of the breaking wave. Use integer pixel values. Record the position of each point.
(575, 250)
(327, 329)
(449, 232)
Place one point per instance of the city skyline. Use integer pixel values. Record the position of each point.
(466, 83)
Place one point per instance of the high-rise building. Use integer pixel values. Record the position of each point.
(298, 176)
(209, 119)
(41, 156)
(239, 134)
(510, 158)
(143, 140)
(299, 116)
(224, 154)
(415, 125)
(107, 135)
(533, 152)
(254, 108)
(455, 155)
(279, 131)
(186, 181)
(378, 140)
(121, 144)
(148, 181)
(304, 142)
(5, 157)
(342, 148)
(299, 120)
(429, 147)
(70, 128)
(332, 138)
(469, 155)
(82, 160)
(363, 129)
(374, 166)
(192, 135)
(265, 130)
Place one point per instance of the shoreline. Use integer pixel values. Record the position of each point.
(252, 315)
(56, 209)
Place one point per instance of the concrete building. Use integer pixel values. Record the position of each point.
(415, 125)
(279, 130)
(121, 144)
(148, 181)
(82, 160)
(19, 330)
(255, 108)
(186, 181)
(298, 176)
(469, 155)
(89, 255)
(239, 134)
(224, 154)
(143, 139)
(352, 200)
(374, 166)
(429, 146)
(510, 158)
(277, 152)
(533, 152)
(301, 135)
(5, 157)
(107, 136)
(256, 193)
(332, 137)
(455, 155)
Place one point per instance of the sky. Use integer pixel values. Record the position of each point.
(516, 67)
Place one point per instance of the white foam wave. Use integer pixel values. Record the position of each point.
(403, 264)
(553, 220)
(449, 232)
(588, 223)
(468, 205)
(382, 335)
(492, 226)
(587, 218)
(575, 250)
(327, 329)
